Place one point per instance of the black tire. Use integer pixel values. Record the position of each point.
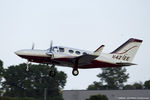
(52, 73)
(75, 72)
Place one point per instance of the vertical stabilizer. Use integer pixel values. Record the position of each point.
(127, 51)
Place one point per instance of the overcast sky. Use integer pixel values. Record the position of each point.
(82, 24)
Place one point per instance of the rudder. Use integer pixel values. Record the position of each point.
(127, 51)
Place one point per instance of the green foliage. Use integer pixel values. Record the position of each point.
(138, 85)
(1, 75)
(20, 83)
(55, 98)
(96, 86)
(16, 98)
(98, 97)
(1, 69)
(128, 87)
(147, 84)
(30, 98)
(113, 77)
(134, 86)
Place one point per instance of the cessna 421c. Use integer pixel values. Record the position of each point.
(75, 58)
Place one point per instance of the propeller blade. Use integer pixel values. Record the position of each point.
(32, 46)
(50, 49)
(50, 52)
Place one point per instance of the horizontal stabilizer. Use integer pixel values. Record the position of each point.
(98, 51)
(125, 64)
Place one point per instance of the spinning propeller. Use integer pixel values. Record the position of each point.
(50, 53)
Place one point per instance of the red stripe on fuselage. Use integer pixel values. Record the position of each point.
(37, 59)
(47, 60)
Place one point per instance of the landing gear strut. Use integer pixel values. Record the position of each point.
(52, 72)
(75, 71)
(27, 67)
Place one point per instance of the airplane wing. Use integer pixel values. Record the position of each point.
(87, 58)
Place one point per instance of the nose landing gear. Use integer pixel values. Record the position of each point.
(27, 67)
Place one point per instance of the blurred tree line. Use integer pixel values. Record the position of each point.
(17, 84)
(114, 79)
(15, 81)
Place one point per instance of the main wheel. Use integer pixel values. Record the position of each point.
(52, 73)
(75, 72)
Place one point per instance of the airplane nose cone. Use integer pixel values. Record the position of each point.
(18, 53)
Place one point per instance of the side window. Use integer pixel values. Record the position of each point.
(71, 51)
(77, 52)
(61, 49)
(84, 53)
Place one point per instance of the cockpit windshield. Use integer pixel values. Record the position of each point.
(57, 49)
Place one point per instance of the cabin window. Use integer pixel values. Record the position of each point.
(71, 51)
(61, 49)
(84, 53)
(77, 52)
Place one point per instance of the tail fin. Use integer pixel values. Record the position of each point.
(99, 50)
(127, 51)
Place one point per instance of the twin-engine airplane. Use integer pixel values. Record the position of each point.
(75, 58)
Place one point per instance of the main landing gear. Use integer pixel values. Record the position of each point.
(75, 71)
(52, 71)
